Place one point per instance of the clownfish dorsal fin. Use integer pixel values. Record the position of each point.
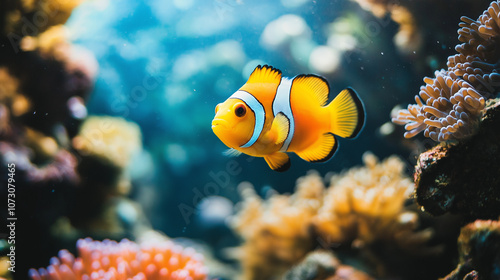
(313, 85)
(281, 128)
(278, 161)
(320, 151)
(265, 74)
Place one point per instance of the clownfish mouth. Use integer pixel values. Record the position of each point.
(218, 122)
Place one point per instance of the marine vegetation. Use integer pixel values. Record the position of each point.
(152, 259)
(362, 211)
(271, 115)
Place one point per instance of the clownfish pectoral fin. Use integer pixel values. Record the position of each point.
(278, 161)
(348, 114)
(312, 85)
(281, 128)
(232, 153)
(322, 150)
(265, 74)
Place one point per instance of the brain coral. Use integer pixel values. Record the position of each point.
(124, 260)
(450, 104)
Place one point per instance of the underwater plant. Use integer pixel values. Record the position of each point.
(362, 206)
(450, 105)
(153, 259)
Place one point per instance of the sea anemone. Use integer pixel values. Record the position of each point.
(455, 98)
(124, 260)
(451, 111)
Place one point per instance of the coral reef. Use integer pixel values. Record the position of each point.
(462, 178)
(68, 186)
(155, 259)
(363, 208)
(479, 246)
(449, 106)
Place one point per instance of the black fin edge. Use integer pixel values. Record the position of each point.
(260, 67)
(284, 167)
(361, 113)
(332, 151)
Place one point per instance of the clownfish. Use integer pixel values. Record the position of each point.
(271, 115)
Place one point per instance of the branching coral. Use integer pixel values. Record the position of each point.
(450, 105)
(157, 259)
(362, 206)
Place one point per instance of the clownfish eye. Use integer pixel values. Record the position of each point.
(217, 108)
(240, 110)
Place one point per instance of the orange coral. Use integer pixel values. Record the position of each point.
(455, 98)
(361, 206)
(366, 204)
(124, 260)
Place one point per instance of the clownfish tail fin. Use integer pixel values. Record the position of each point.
(348, 114)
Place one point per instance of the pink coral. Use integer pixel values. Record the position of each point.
(124, 260)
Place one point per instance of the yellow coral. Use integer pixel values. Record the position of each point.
(361, 206)
(10, 96)
(111, 138)
(276, 231)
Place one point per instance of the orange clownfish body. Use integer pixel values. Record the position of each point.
(271, 115)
